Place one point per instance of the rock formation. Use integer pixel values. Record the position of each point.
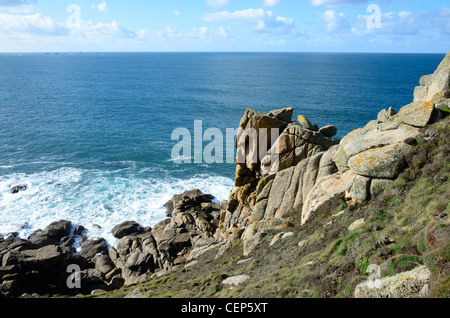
(307, 171)
(39, 264)
(304, 172)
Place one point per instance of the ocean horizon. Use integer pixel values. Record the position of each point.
(90, 133)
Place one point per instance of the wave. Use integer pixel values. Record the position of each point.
(94, 198)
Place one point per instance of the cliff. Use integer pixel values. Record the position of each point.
(365, 216)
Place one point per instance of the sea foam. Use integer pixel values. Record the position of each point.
(96, 199)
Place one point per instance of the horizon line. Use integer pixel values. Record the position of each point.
(231, 52)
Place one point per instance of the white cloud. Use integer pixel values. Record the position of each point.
(102, 7)
(335, 21)
(258, 19)
(217, 3)
(176, 12)
(392, 23)
(100, 31)
(441, 20)
(197, 35)
(271, 3)
(336, 3)
(23, 25)
(37, 25)
(397, 29)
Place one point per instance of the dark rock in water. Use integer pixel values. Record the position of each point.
(40, 265)
(192, 198)
(67, 241)
(18, 188)
(40, 238)
(79, 230)
(125, 229)
(15, 243)
(52, 234)
(59, 229)
(10, 235)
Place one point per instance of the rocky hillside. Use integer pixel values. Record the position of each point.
(365, 216)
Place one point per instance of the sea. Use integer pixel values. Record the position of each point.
(92, 134)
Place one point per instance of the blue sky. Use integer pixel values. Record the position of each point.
(412, 26)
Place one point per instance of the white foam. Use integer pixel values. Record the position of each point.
(93, 197)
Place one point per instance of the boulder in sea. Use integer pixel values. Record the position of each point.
(52, 234)
(79, 230)
(21, 187)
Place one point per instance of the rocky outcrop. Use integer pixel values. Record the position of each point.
(40, 263)
(171, 243)
(370, 158)
(307, 171)
(433, 87)
(282, 181)
(136, 256)
(41, 267)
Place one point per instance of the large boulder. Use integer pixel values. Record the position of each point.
(384, 162)
(372, 136)
(52, 234)
(91, 247)
(417, 114)
(435, 84)
(329, 131)
(126, 228)
(411, 284)
(306, 123)
(378, 151)
(137, 256)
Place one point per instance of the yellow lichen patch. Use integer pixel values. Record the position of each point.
(378, 162)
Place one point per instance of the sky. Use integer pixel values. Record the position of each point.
(398, 26)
